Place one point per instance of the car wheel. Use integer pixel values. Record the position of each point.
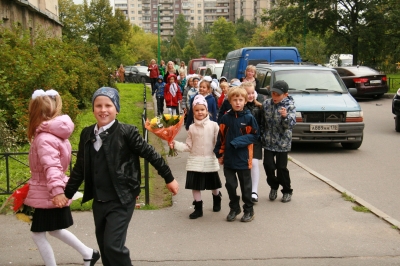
(143, 79)
(378, 96)
(351, 145)
(397, 123)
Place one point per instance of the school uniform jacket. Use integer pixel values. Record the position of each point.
(237, 133)
(200, 142)
(123, 145)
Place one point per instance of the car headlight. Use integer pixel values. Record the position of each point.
(398, 92)
(355, 114)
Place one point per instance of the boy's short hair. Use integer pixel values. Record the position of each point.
(224, 84)
(237, 91)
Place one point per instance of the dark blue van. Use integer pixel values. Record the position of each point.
(237, 61)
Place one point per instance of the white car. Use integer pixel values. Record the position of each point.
(214, 69)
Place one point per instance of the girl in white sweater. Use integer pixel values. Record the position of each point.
(202, 165)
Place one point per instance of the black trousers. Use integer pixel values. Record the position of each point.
(153, 82)
(111, 219)
(244, 176)
(160, 105)
(277, 161)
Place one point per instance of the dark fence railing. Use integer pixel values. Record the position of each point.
(21, 158)
(394, 83)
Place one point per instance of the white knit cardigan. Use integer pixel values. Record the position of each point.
(200, 142)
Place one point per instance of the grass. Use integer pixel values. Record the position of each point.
(131, 102)
(357, 208)
(394, 84)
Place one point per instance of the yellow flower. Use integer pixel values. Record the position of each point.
(153, 121)
(167, 116)
(23, 217)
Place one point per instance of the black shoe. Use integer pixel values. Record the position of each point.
(286, 197)
(254, 198)
(232, 215)
(95, 257)
(247, 217)
(273, 194)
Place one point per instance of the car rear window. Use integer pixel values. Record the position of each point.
(311, 79)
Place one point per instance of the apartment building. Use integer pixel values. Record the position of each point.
(146, 13)
(31, 14)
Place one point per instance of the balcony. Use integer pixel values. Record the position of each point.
(145, 7)
(166, 1)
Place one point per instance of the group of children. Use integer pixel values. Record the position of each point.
(235, 137)
(109, 151)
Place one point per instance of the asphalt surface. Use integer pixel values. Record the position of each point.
(318, 227)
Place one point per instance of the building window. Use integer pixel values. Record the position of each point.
(132, 5)
(198, 11)
(139, 12)
(191, 11)
(132, 18)
(139, 5)
(132, 12)
(177, 6)
(177, 12)
(198, 5)
(155, 19)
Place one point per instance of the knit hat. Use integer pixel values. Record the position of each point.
(280, 87)
(110, 93)
(160, 77)
(199, 99)
(235, 84)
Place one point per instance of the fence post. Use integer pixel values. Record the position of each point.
(145, 136)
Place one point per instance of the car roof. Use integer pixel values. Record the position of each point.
(360, 70)
(216, 65)
(278, 67)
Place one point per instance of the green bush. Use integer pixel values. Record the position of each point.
(75, 69)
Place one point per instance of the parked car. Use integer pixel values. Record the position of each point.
(199, 62)
(367, 81)
(325, 108)
(137, 74)
(214, 69)
(396, 110)
(201, 71)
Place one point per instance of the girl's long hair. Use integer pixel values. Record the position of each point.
(42, 108)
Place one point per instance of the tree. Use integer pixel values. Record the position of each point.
(181, 30)
(103, 27)
(245, 30)
(222, 39)
(200, 37)
(190, 51)
(73, 20)
(175, 50)
(343, 24)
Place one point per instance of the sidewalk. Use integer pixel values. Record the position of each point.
(318, 227)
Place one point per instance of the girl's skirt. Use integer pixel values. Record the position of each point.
(51, 219)
(202, 181)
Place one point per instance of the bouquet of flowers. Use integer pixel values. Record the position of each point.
(166, 127)
(16, 203)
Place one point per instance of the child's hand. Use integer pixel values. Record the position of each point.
(172, 144)
(60, 200)
(283, 111)
(221, 160)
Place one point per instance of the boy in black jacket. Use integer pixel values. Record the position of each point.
(108, 162)
(238, 131)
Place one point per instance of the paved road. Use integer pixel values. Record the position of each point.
(370, 172)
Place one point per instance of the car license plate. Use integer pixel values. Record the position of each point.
(324, 127)
(375, 81)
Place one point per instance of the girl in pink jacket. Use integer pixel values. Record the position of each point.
(49, 157)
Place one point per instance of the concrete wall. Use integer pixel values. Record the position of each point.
(31, 15)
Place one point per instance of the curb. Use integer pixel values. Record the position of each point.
(341, 189)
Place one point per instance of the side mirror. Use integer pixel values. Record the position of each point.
(353, 91)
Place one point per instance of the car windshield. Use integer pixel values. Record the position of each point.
(311, 80)
(142, 69)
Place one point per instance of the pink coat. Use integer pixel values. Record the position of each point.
(49, 158)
